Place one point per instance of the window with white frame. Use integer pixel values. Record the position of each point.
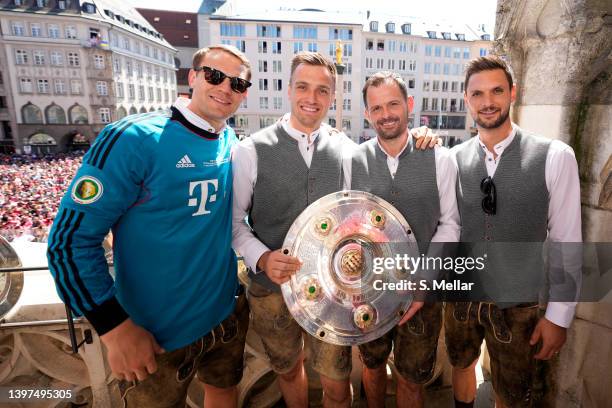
(116, 65)
(312, 47)
(151, 94)
(42, 85)
(263, 102)
(21, 57)
(131, 92)
(426, 86)
(119, 90)
(60, 86)
(412, 66)
(425, 104)
(349, 68)
(125, 43)
(444, 105)
(436, 86)
(38, 57)
(25, 85)
(141, 92)
(98, 61)
(346, 105)
(166, 95)
(276, 66)
(71, 32)
(164, 76)
(102, 88)
(57, 58)
(156, 70)
(146, 51)
(262, 47)
(76, 86)
(17, 28)
(346, 124)
(454, 86)
(434, 104)
(444, 86)
(347, 86)
(139, 70)
(263, 84)
(244, 104)
(278, 103)
(53, 31)
(277, 84)
(104, 115)
(401, 65)
(128, 68)
(35, 30)
(73, 59)
(276, 47)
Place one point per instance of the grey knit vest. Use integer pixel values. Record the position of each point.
(285, 186)
(514, 268)
(413, 190)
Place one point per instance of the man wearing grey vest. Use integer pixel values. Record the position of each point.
(514, 189)
(278, 172)
(421, 185)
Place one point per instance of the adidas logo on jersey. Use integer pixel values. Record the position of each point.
(184, 162)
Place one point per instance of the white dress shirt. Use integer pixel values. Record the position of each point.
(449, 227)
(564, 217)
(244, 162)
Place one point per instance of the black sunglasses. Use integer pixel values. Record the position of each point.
(489, 202)
(215, 77)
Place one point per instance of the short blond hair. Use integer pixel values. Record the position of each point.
(230, 49)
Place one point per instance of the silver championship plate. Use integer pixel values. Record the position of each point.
(338, 295)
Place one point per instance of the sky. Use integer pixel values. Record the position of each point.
(471, 11)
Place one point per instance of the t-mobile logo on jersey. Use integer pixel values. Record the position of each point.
(206, 195)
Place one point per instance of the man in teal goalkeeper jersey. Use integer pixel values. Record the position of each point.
(163, 183)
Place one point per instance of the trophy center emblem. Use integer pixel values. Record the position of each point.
(351, 263)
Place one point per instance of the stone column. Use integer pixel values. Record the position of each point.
(560, 52)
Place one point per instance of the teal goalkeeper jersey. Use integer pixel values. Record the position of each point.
(164, 187)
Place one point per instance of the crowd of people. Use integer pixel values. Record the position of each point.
(31, 188)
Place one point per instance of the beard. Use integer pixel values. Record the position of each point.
(389, 134)
(503, 116)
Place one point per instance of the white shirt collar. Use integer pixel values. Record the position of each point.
(296, 134)
(501, 146)
(196, 120)
(408, 143)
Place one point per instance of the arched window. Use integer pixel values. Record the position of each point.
(41, 139)
(31, 113)
(121, 113)
(133, 111)
(78, 115)
(151, 109)
(143, 110)
(55, 115)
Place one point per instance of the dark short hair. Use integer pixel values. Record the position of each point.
(381, 77)
(312, 58)
(487, 63)
(230, 49)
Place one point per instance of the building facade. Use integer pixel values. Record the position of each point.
(72, 67)
(181, 30)
(429, 56)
